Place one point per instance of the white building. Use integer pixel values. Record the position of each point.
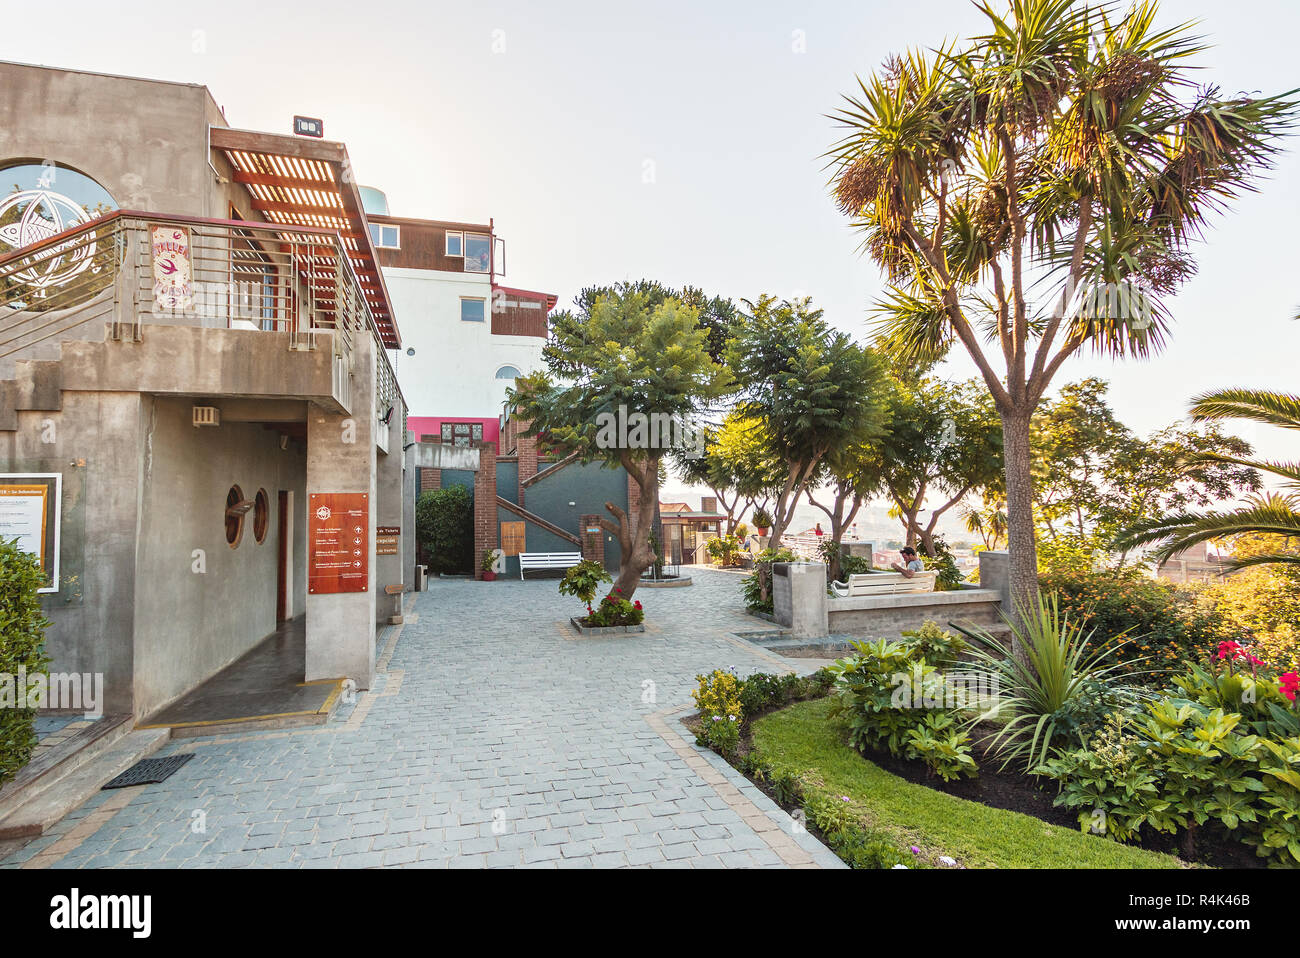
(466, 336)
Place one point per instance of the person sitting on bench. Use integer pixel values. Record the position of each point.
(912, 566)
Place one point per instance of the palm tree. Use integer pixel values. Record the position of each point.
(1068, 156)
(1273, 513)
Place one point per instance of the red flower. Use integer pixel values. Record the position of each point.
(1290, 682)
(636, 604)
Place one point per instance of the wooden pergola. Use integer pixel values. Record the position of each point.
(297, 181)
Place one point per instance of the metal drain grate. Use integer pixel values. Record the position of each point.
(150, 771)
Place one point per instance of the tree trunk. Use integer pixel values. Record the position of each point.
(1020, 508)
(637, 555)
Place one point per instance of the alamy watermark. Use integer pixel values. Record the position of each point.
(71, 691)
(638, 430)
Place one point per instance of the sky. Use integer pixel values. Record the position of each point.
(683, 142)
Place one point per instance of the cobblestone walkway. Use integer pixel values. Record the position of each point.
(495, 736)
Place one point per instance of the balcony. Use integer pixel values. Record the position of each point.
(126, 271)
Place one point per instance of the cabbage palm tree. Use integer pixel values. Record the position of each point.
(1273, 513)
(1067, 157)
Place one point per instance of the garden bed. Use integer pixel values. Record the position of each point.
(585, 629)
(1012, 791)
(665, 582)
(801, 739)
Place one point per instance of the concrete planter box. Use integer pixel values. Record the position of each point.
(605, 630)
(678, 582)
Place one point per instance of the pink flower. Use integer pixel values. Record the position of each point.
(1290, 682)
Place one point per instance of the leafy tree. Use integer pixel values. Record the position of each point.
(1065, 151)
(712, 470)
(944, 441)
(717, 314)
(854, 473)
(809, 390)
(1075, 437)
(626, 354)
(1270, 514)
(989, 521)
(743, 453)
(1098, 477)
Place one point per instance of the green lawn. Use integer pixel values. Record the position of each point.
(803, 740)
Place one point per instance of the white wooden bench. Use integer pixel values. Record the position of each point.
(884, 583)
(547, 560)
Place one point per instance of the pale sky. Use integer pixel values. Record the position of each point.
(680, 141)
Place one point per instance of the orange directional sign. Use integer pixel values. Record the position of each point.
(338, 542)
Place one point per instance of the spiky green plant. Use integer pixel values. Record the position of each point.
(1053, 685)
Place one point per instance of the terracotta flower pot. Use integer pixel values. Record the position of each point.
(489, 576)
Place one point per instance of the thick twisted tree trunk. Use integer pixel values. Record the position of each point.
(633, 532)
(1020, 508)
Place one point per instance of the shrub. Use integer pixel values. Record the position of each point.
(936, 645)
(762, 691)
(1223, 745)
(948, 577)
(22, 635)
(883, 698)
(582, 580)
(444, 527)
(1165, 628)
(1179, 766)
(718, 699)
(761, 519)
(752, 584)
(1260, 606)
(615, 610)
(723, 549)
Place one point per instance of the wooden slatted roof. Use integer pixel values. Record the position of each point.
(295, 181)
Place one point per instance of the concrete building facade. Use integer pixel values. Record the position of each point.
(193, 349)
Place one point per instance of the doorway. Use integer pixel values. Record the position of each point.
(284, 564)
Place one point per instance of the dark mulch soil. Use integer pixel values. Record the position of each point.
(1010, 790)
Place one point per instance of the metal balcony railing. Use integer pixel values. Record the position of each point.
(243, 275)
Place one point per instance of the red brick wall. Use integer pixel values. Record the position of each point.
(526, 447)
(486, 531)
(430, 479)
(593, 543)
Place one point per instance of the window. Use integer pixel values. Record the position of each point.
(385, 237)
(460, 433)
(455, 244)
(261, 515)
(473, 310)
(236, 508)
(478, 252)
(508, 372)
(512, 538)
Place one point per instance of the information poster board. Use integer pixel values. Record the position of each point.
(29, 512)
(338, 542)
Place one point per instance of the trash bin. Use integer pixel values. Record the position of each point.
(420, 574)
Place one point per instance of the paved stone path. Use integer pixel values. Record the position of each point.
(495, 736)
